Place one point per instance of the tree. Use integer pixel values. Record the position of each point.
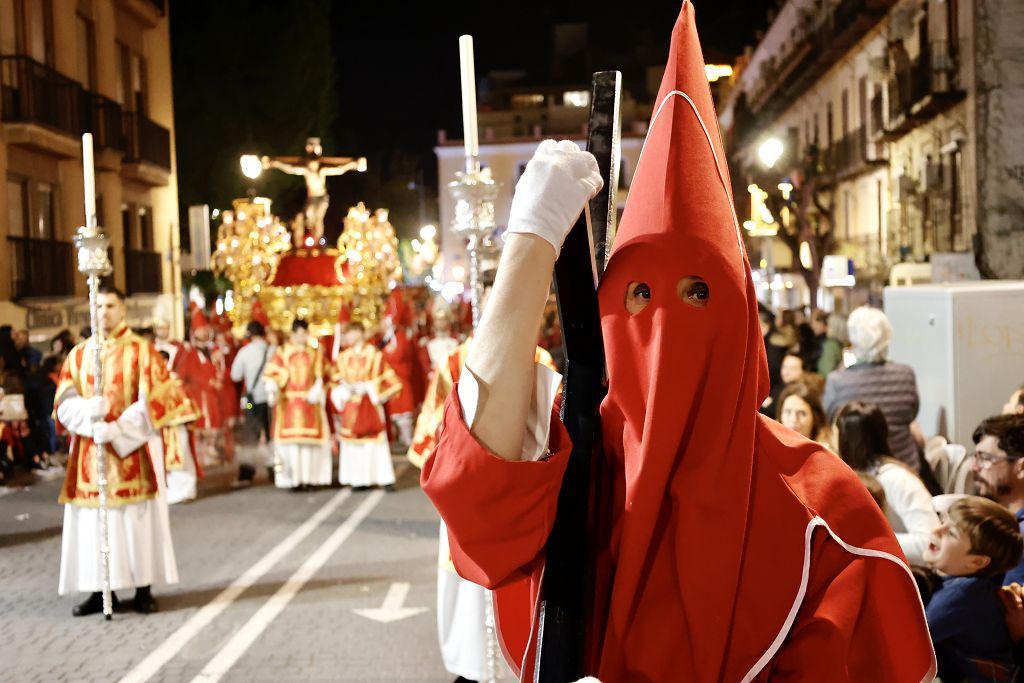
(811, 205)
(249, 77)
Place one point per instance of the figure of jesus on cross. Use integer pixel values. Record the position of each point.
(315, 168)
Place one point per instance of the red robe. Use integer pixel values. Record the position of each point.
(723, 546)
(201, 378)
(860, 618)
(398, 353)
(227, 393)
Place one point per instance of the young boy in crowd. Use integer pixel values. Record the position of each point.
(976, 543)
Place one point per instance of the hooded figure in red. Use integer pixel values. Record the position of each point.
(726, 547)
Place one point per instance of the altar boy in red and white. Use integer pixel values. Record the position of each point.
(134, 405)
(363, 383)
(294, 382)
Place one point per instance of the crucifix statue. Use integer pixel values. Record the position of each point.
(315, 167)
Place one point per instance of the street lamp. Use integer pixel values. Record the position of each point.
(251, 166)
(428, 232)
(770, 152)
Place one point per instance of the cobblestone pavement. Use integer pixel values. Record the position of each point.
(217, 538)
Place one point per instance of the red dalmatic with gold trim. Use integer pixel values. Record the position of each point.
(295, 369)
(365, 365)
(132, 368)
(174, 450)
(441, 382)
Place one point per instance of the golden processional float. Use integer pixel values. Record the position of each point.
(274, 265)
(290, 270)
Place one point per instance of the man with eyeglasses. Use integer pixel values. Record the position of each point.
(999, 469)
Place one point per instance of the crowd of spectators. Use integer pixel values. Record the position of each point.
(28, 381)
(961, 530)
(831, 382)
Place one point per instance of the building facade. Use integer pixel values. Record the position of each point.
(68, 67)
(905, 113)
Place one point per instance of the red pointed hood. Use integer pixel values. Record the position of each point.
(685, 380)
(397, 309)
(220, 322)
(259, 314)
(198, 320)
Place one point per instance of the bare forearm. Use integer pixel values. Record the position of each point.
(287, 168)
(503, 348)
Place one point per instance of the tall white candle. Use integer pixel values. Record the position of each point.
(89, 174)
(469, 126)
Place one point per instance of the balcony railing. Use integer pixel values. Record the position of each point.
(143, 271)
(927, 88)
(106, 123)
(852, 152)
(147, 141)
(41, 268)
(851, 155)
(821, 37)
(35, 93)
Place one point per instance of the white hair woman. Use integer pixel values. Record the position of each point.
(874, 379)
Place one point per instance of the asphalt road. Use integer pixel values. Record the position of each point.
(329, 585)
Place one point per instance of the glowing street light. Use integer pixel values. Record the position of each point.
(716, 71)
(251, 166)
(770, 152)
(428, 232)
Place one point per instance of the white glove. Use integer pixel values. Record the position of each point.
(340, 395)
(105, 432)
(315, 394)
(97, 407)
(551, 193)
(371, 390)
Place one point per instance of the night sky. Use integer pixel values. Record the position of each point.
(379, 79)
(404, 60)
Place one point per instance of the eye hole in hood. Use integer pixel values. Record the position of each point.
(694, 291)
(638, 296)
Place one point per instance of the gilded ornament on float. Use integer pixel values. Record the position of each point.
(369, 260)
(250, 241)
(258, 254)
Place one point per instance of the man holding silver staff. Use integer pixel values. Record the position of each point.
(125, 419)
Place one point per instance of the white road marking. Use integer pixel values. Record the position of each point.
(222, 662)
(145, 669)
(392, 609)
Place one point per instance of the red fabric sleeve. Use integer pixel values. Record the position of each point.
(499, 513)
(861, 620)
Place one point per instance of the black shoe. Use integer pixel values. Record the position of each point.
(93, 605)
(461, 679)
(144, 602)
(246, 472)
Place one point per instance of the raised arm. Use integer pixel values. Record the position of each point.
(550, 195)
(350, 165)
(269, 162)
